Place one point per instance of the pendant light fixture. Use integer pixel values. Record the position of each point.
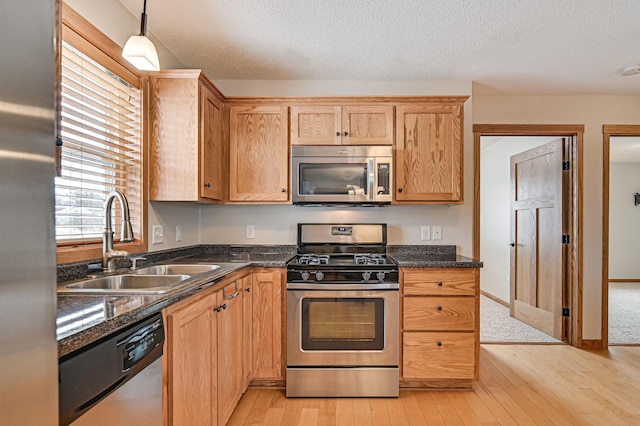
(139, 50)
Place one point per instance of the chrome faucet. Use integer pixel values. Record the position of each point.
(109, 255)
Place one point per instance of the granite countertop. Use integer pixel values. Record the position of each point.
(430, 257)
(83, 319)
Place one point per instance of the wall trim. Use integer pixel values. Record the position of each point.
(608, 131)
(575, 257)
(495, 299)
(592, 344)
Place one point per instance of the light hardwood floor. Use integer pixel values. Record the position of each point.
(519, 385)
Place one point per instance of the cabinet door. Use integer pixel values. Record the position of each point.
(315, 125)
(267, 325)
(191, 364)
(173, 144)
(367, 125)
(259, 154)
(229, 350)
(428, 153)
(247, 285)
(210, 145)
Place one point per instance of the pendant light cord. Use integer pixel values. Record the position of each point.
(143, 20)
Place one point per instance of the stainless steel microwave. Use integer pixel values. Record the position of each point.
(324, 175)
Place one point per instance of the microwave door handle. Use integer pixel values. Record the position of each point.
(371, 172)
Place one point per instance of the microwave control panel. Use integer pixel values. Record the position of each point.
(383, 183)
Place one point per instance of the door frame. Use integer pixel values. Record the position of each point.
(608, 131)
(574, 258)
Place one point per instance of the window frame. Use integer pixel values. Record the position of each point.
(95, 44)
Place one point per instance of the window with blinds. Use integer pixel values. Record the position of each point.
(101, 135)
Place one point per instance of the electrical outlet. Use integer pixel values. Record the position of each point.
(437, 232)
(251, 231)
(425, 233)
(158, 234)
(178, 233)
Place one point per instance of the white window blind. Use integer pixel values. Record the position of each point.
(100, 130)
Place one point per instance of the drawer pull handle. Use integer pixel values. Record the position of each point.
(439, 283)
(439, 308)
(439, 343)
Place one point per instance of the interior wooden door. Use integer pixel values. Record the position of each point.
(537, 255)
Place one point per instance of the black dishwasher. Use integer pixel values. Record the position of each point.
(89, 375)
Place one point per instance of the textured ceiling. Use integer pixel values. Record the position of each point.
(503, 46)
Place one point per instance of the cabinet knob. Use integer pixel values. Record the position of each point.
(224, 306)
(399, 189)
(512, 244)
(439, 283)
(248, 289)
(439, 308)
(439, 343)
(337, 133)
(346, 133)
(207, 185)
(283, 190)
(217, 309)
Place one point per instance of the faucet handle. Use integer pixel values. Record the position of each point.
(134, 261)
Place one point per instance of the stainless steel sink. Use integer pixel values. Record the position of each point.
(127, 283)
(176, 269)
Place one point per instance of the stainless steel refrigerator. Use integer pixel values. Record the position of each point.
(28, 351)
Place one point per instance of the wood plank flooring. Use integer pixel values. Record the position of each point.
(519, 385)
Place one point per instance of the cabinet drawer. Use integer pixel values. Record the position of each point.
(436, 355)
(439, 313)
(440, 282)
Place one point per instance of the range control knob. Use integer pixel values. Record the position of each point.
(380, 275)
(319, 275)
(366, 276)
(305, 275)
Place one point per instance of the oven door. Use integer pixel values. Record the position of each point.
(342, 328)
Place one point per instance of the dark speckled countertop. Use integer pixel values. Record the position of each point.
(83, 319)
(432, 256)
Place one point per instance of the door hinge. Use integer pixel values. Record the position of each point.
(566, 239)
(565, 312)
(566, 165)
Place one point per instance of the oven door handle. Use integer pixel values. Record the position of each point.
(339, 287)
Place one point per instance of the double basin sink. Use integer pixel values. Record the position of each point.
(156, 279)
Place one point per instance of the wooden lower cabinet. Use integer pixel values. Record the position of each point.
(210, 356)
(267, 336)
(440, 327)
(230, 347)
(190, 360)
(246, 284)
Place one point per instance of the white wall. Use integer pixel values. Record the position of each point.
(593, 111)
(277, 224)
(624, 221)
(495, 219)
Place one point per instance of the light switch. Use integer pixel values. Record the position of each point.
(425, 233)
(158, 234)
(178, 233)
(251, 231)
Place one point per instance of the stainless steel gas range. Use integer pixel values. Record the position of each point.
(342, 313)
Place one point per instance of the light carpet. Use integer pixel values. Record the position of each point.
(496, 326)
(624, 313)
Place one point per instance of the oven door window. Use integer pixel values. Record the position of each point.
(342, 324)
(332, 179)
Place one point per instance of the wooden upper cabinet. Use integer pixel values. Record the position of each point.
(428, 152)
(186, 151)
(342, 125)
(258, 154)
